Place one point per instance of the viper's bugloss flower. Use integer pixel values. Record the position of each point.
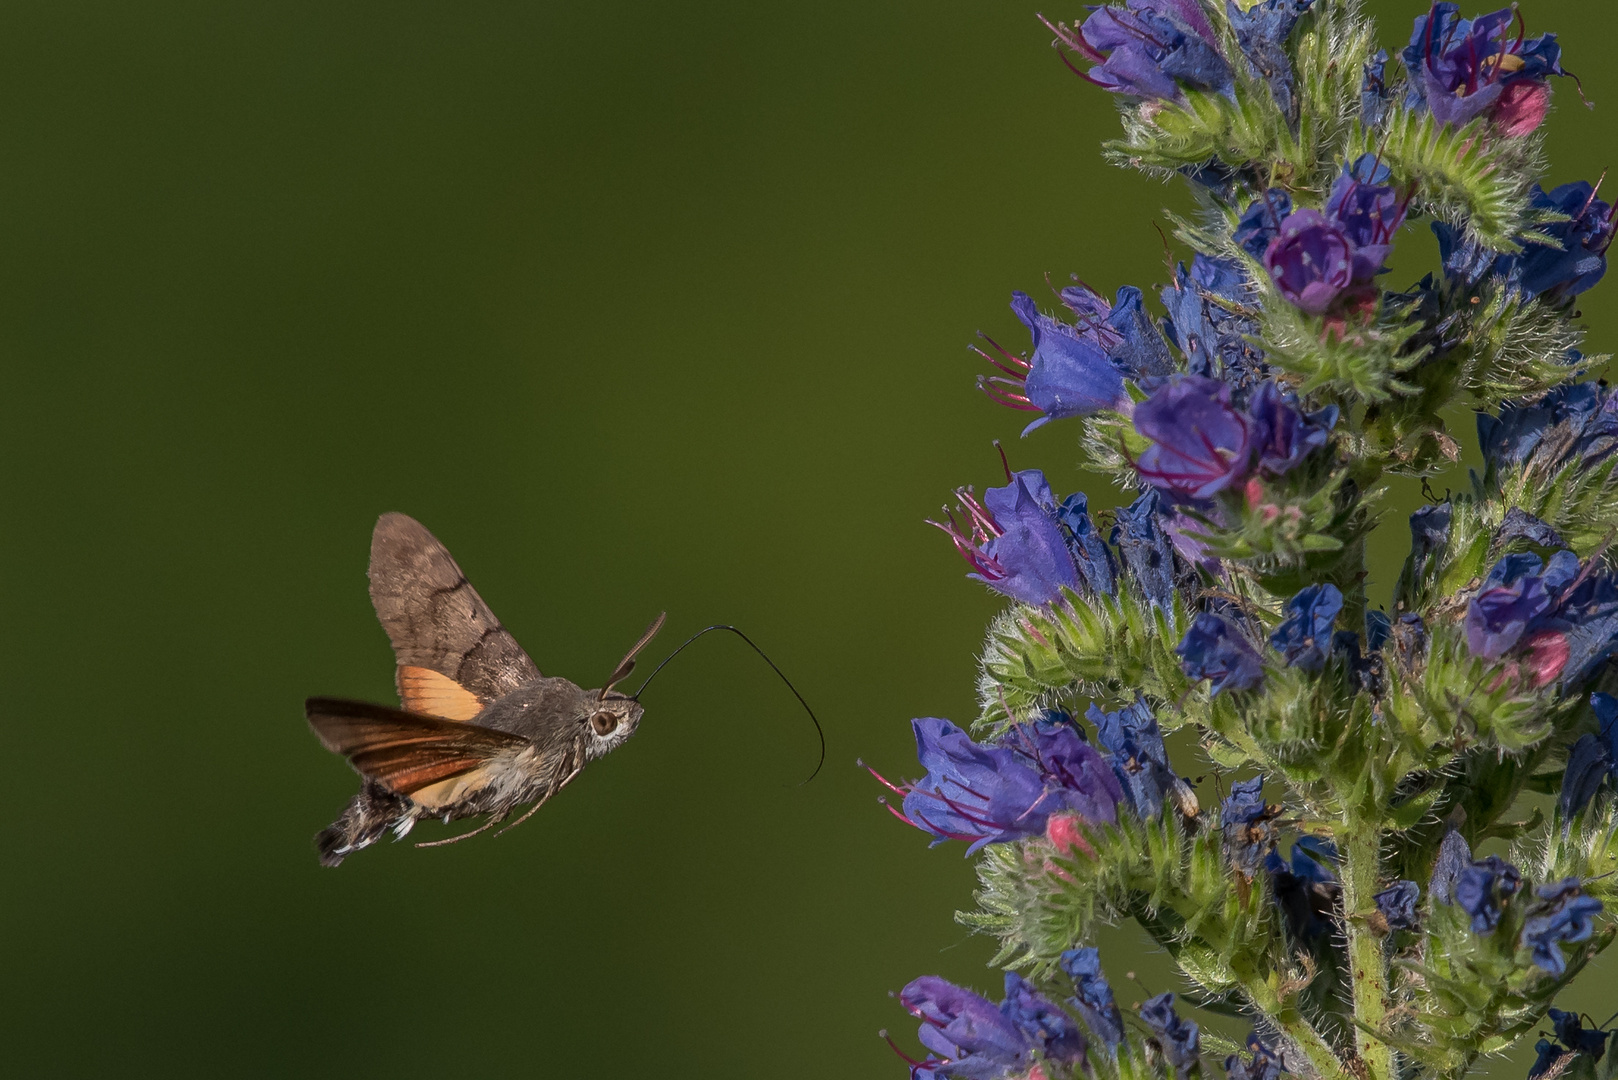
(1013, 540)
(1246, 822)
(1519, 524)
(1137, 348)
(1285, 434)
(979, 794)
(1397, 903)
(1214, 650)
(1069, 374)
(1304, 638)
(1572, 1033)
(1555, 272)
(1076, 777)
(1482, 887)
(1375, 93)
(1092, 996)
(1605, 707)
(1518, 590)
(1045, 1025)
(1305, 886)
(1573, 424)
(1201, 443)
(1453, 857)
(1147, 550)
(1261, 32)
(1589, 763)
(971, 1036)
(1318, 258)
(1210, 320)
(1563, 913)
(1148, 49)
(1461, 69)
(1176, 1036)
(1260, 223)
(1091, 555)
(1140, 761)
(1264, 1063)
(1549, 1054)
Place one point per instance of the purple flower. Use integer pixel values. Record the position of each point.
(1046, 1026)
(1311, 261)
(1397, 903)
(973, 1039)
(1556, 272)
(1265, 1064)
(1302, 640)
(1070, 373)
(1285, 436)
(1013, 540)
(1091, 555)
(1206, 324)
(1262, 32)
(1092, 998)
(1139, 350)
(979, 794)
(1317, 258)
(1139, 760)
(1076, 777)
(1176, 1037)
(1563, 913)
(1201, 444)
(1147, 550)
(1589, 763)
(1465, 68)
(1570, 1030)
(1148, 48)
(1517, 590)
(1454, 856)
(1246, 823)
(1212, 649)
(1482, 887)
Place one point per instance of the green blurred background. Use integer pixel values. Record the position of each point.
(637, 308)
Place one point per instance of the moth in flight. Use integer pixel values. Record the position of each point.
(481, 731)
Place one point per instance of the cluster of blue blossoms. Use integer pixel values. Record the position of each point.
(1215, 438)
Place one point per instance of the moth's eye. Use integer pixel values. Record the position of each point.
(603, 722)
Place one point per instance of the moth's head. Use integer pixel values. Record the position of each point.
(609, 719)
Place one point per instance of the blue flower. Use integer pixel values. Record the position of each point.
(1046, 1026)
(1557, 272)
(1285, 435)
(973, 1039)
(1070, 373)
(1246, 823)
(1265, 1064)
(1147, 550)
(1091, 555)
(1206, 323)
(1176, 1037)
(1262, 32)
(979, 794)
(1563, 913)
(1589, 763)
(1454, 856)
(1397, 903)
(1201, 443)
(1305, 888)
(1212, 649)
(1139, 351)
(1302, 640)
(1572, 423)
(1013, 540)
(1260, 223)
(1149, 48)
(1461, 69)
(1375, 94)
(1572, 1033)
(1482, 887)
(1519, 524)
(1139, 759)
(1605, 707)
(1092, 998)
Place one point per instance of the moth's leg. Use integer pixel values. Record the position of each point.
(578, 767)
(485, 827)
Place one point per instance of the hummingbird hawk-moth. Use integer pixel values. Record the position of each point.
(481, 731)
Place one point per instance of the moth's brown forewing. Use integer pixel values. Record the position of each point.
(482, 731)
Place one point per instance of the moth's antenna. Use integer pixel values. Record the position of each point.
(812, 718)
(627, 664)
